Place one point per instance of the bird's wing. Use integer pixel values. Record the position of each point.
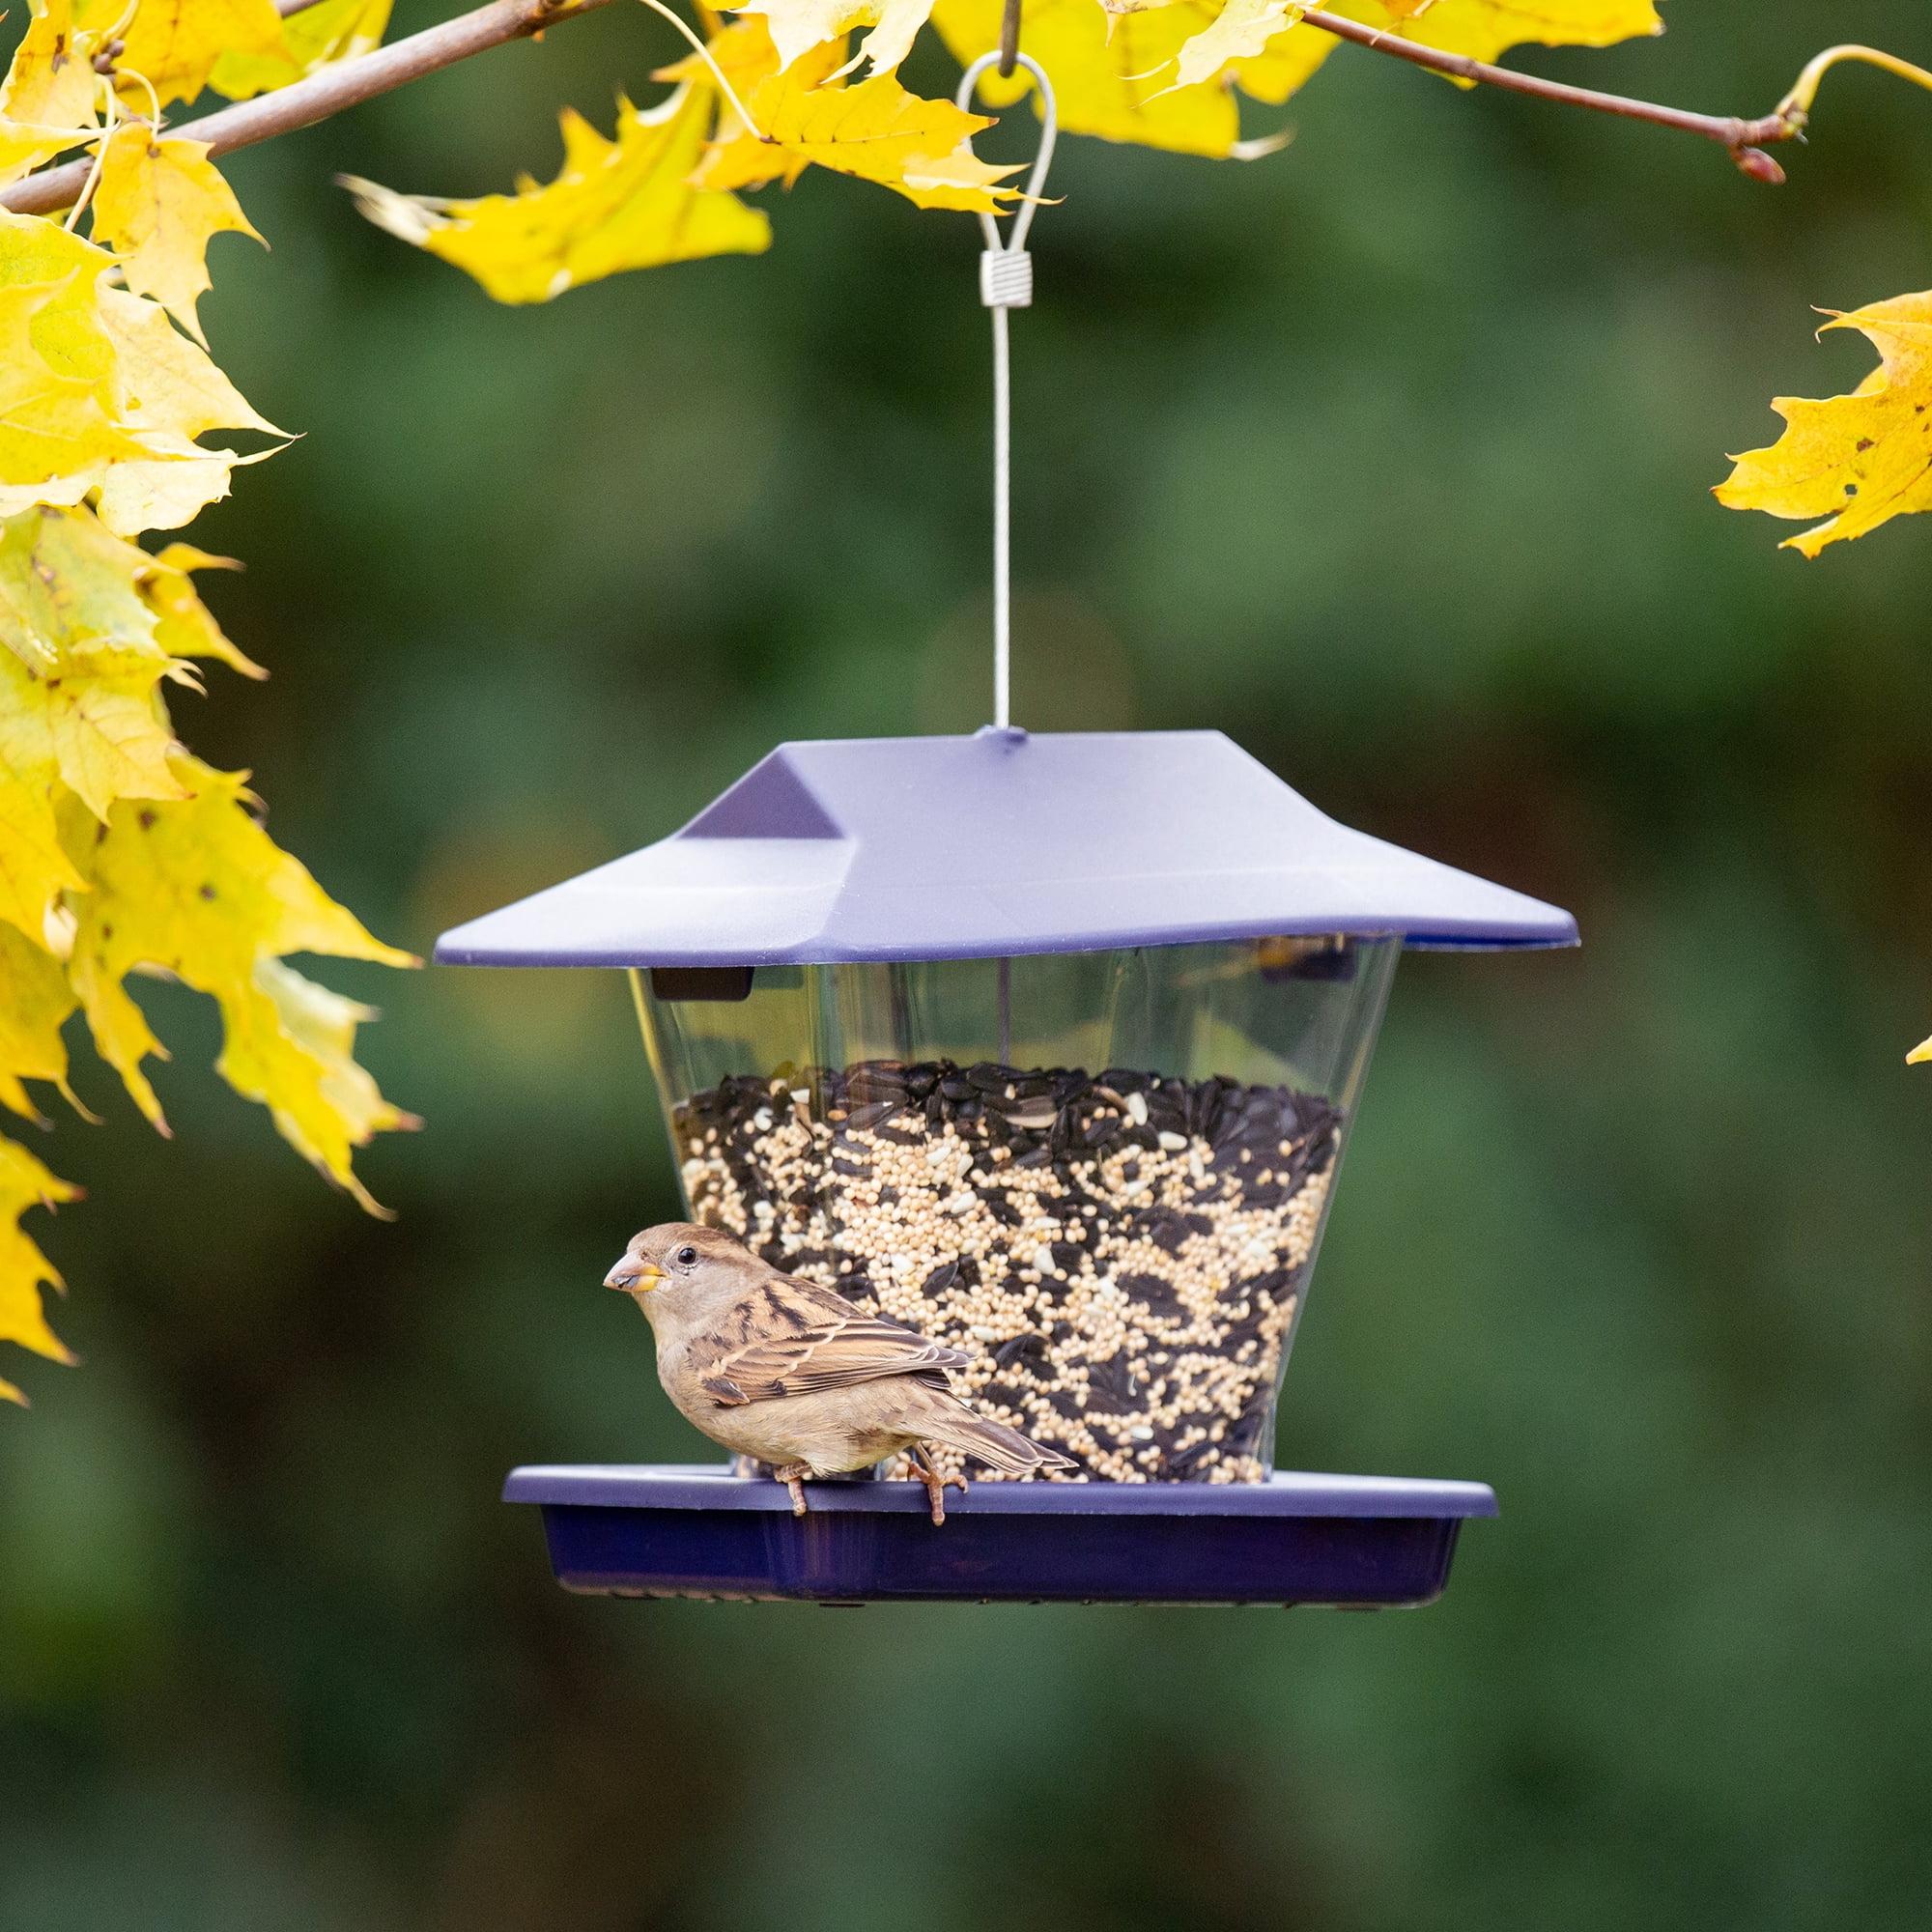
(796, 1338)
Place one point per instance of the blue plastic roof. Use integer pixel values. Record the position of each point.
(999, 844)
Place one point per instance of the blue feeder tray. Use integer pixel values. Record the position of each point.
(696, 1530)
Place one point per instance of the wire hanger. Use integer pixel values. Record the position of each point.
(1006, 282)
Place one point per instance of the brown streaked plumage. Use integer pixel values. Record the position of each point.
(782, 1369)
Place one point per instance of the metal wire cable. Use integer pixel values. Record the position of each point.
(1006, 282)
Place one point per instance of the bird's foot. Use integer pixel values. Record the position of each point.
(792, 1475)
(936, 1485)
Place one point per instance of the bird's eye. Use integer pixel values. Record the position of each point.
(686, 1257)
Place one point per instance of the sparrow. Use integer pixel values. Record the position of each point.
(780, 1369)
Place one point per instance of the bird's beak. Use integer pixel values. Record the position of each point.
(634, 1275)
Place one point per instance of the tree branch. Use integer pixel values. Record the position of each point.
(350, 82)
(328, 91)
(1744, 139)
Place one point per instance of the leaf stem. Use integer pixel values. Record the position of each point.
(153, 98)
(1797, 105)
(91, 178)
(705, 54)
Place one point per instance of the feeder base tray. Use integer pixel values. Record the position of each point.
(696, 1530)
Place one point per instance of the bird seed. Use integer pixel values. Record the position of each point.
(1120, 1255)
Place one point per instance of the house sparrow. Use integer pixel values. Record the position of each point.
(794, 1374)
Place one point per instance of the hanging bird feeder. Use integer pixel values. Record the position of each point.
(1047, 1046)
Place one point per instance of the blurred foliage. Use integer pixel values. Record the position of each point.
(1388, 456)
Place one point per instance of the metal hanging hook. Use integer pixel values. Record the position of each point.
(1006, 282)
(1049, 129)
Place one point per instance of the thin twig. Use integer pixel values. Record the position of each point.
(1729, 130)
(328, 91)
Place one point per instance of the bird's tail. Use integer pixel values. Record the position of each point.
(991, 1442)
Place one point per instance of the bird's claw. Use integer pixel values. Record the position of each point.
(936, 1486)
(793, 1476)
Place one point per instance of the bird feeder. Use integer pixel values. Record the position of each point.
(1049, 1047)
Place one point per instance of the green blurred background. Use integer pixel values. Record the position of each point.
(1389, 455)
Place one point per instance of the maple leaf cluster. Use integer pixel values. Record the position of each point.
(773, 93)
(121, 853)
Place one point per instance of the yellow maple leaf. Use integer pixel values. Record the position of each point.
(315, 37)
(51, 80)
(1859, 460)
(185, 627)
(170, 485)
(164, 384)
(295, 1051)
(1242, 31)
(875, 131)
(744, 54)
(1483, 29)
(616, 205)
(37, 1002)
(177, 44)
(1157, 72)
(56, 441)
(98, 393)
(25, 144)
(198, 889)
(160, 202)
(102, 727)
(110, 733)
(79, 703)
(35, 870)
(1290, 59)
(69, 588)
(24, 1270)
(92, 625)
(1110, 72)
(799, 26)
